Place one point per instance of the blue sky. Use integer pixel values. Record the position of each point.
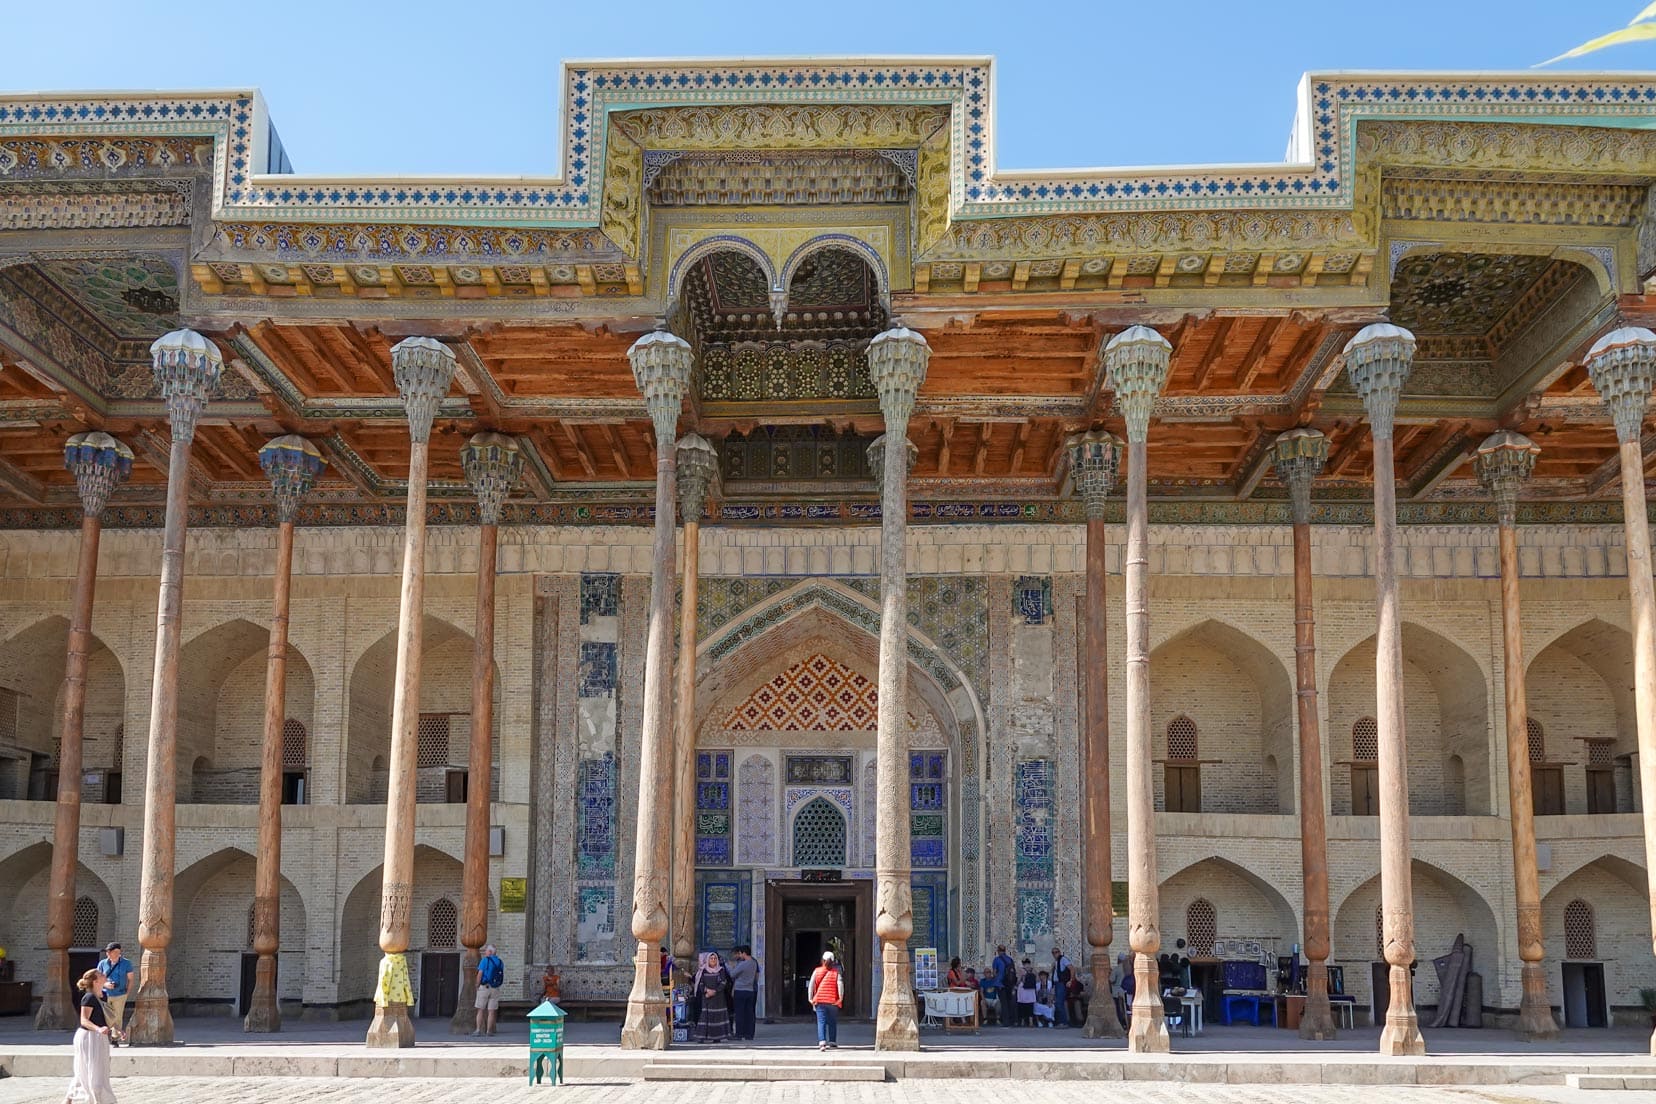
(450, 86)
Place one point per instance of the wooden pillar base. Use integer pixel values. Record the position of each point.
(263, 1015)
(1401, 1037)
(57, 1010)
(1317, 1020)
(1102, 1021)
(646, 1026)
(391, 1029)
(1535, 1018)
(1147, 1033)
(895, 1025)
(464, 1020)
(152, 1022)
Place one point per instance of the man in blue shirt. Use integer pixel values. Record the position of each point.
(117, 970)
(1004, 973)
(491, 975)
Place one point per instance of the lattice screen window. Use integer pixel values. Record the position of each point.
(119, 743)
(1181, 738)
(1580, 932)
(1537, 740)
(252, 911)
(1365, 740)
(819, 835)
(84, 928)
(1380, 931)
(1599, 753)
(443, 924)
(1201, 926)
(295, 746)
(8, 715)
(433, 731)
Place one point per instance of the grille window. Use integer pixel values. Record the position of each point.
(8, 715)
(1365, 740)
(84, 929)
(1380, 932)
(1598, 753)
(1181, 738)
(1580, 933)
(433, 733)
(296, 746)
(1201, 926)
(1537, 740)
(443, 924)
(252, 911)
(819, 835)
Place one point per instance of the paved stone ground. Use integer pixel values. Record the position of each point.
(161, 1090)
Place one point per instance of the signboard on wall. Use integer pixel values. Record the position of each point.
(513, 893)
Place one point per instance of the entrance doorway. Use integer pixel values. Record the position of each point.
(804, 919)
(439, 983)
(1584, 995)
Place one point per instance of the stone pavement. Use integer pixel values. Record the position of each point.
(162, 1090)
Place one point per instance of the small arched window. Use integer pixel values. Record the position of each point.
(295, 746)
(252, 924)
(1201, 926)
(443, 925)
(1181, 739)
(1380, 932)
(84, 927)
(1365, 740)
(1537, 740)
(1580, 932)
(819, 835)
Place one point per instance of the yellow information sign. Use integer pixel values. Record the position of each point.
(513, 893)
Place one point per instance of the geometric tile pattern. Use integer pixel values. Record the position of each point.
(816, 695)
(1033, 818)
(756, 811)
(713, 808)
(595, 817)
(927, 811)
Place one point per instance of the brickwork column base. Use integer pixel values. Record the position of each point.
(1147, 1032)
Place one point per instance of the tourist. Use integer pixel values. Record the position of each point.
(1026, 995)
(823, 994)
(1005, 978)
(1061, 974)
(1045, 1002)
(118, 970)
(712, 986)
(1075, 1000)
(957, 978)
(744, 992)
(491, 975)
(90, 1084)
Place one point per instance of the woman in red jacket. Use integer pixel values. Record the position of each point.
(824, 995)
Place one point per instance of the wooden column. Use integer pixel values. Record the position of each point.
(292, 463)
(100, 463)
(1300, 455)
(661, 366)
(1621, 365)
(423, 369)
(698, 468)
(1504, 462)
(1378, 359)
(1137, 360)
(897, 360)
(1093, 459)
(492, 463)
(186, 365)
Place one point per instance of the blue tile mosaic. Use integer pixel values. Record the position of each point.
(595, 818)
(1032, 596)
(1034, 916)
(925, 795)
(596, 676)
(713, 851)
(1033, 818)
(713, 837)
(927, 853)
(600, 596)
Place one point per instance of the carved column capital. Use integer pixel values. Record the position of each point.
(897, 360)
(661, 363)
(100, 463)
(1621, 365)
(187, 366)
(493, 464)
(292, 464)
(1094, 460)
(698, 473)
(423, 368)
(1137, 361)
(1379, 359)
(1504, 463)
(1299, 456)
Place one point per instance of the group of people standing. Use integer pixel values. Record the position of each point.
(1022, 995)
(723, 998)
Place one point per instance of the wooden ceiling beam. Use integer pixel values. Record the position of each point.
(1354, 441)
(618, 450)
(582, 455)
(1253, 361)
(1215, 349)
(945, 431)
(379, 369)
(981, 458)
(1020, 441)
(276, 347)
(312, 344)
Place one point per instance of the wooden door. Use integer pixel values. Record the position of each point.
(439, 983)
(1547, 784)
(1183, 788)
(1601, 790)
(1365, 791)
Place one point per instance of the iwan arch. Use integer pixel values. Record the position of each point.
(795, 689)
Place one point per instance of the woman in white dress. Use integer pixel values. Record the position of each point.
(91, 1081)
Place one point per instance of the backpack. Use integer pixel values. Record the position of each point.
(1029, 980)
(495, 974)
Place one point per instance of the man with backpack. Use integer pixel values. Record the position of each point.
(1004, 973)
(491, 975)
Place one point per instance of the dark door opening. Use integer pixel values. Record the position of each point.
(1584, 995)
(249, 974)
(439, 983)
(804, 919)
(293, 787)
(454, 786)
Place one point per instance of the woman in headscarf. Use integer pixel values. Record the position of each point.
(712, 985)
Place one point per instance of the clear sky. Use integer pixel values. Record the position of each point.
(456, 86)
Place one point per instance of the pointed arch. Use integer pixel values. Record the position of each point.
(1252, 908)
(437, 875)
(1579, 686)
(211, 897)
(1446, 719)
(1445, 906)
(845, 243)
(719, 243)
(1611, 887)
(1237, 695)
(32, 665)
(26, 875)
